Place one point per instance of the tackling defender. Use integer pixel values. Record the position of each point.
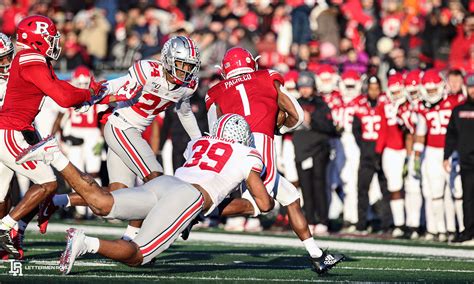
(215, 166)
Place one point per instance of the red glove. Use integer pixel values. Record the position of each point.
(96, 87)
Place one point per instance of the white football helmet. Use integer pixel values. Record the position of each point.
(81, 77)
(181, 49)
(6, 53)
(233, 127)
(350, 85)
(395, 91)
(326, 79)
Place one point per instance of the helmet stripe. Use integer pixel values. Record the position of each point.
(193, 54)
(222, 123)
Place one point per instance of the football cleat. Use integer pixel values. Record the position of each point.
(398, 233)
(75, 247)
(46, 210)
(325, 262)
(8, 245)
(17, 238)
(41, 151)
(187, 231)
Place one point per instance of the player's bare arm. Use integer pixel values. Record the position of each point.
(288, 104)
(264, 201)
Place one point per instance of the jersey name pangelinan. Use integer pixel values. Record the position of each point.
(437, 119)
(148, 89)
(251, 95)
(22, 100)
(218, 166)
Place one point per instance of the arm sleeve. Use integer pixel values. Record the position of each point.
(357, 130)
(63, 93)
(187, 118)
(451, 136)
(212, 116)
(254, 162)
(321, 120)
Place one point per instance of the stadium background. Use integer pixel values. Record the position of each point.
(371, 37)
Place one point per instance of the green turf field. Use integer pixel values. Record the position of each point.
(199, 261)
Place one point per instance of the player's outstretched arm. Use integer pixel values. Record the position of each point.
(63, 93)
(290, 105)
(255, 185)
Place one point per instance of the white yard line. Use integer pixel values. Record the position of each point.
(289, 242)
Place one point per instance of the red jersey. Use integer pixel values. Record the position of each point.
(437, 119)
(252, 95)
(370, 118)
(391, 133)
(343, 114)
(335, 103)
(32, 78)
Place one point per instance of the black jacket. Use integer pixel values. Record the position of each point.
(460, 134)
(308, 141)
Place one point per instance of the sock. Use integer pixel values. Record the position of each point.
(92, 244)
(7, 223)
(60, 161)
(312, 248)
(398, 212)
(61, 200)
(22, 225)
(130, 233)
(459, 213)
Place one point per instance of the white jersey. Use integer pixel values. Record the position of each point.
(148, 93)
(218, 166)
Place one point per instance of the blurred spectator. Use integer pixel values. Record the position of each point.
(125, 53)
(455, 82)
(462, 46)
(94, 29)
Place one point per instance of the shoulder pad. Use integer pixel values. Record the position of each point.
(143, 70)
(276, 76)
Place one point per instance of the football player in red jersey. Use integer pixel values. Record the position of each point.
(391, 145)
(433, 118)
(31, 79)
(259, 95)
(366, 129)
(350, 87)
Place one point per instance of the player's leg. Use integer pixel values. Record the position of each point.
(306, 183)
(457, 194)
(134, 151)
(413, 201)
(431, 228)
(321, 200)
(392, 165)
(365, 175)
(177, 204)
(349, 175)
(6, 176)
(436, 178)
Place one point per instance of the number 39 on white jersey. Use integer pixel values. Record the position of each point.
(148, 91)
(218, 166)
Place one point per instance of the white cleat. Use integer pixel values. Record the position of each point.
(397, 233)
(41, 151)
(75, 247)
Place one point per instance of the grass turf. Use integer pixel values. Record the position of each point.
(203, 262)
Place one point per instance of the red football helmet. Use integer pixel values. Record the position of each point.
(81, 77)
(40, 33)
(237, 61)
(432, 86)
(412, 84)
(6, 53)
(350, 84)
(395, 88)
(326, 79)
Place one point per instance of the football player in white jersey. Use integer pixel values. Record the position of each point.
(215, 166)
(149, 88)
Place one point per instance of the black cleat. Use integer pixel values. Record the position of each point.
(187, 231)
(325, 262)
(7, 244)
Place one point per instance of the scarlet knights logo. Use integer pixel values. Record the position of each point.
(41, 28)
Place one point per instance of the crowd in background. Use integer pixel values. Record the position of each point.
(294, 37)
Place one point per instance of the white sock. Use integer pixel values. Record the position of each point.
(312, 248)
(22, 225)
(92, 244)
(61, 200)
(459, 214)
(398, 211)
(130, 233)
(60, 161)
(7, 223)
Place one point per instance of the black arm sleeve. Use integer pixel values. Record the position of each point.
(321, 120)
(451, 135)
(357, 130)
